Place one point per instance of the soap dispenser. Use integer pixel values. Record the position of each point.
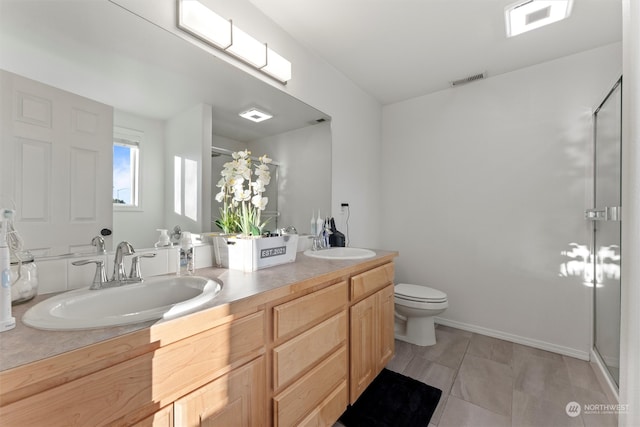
(163, 239)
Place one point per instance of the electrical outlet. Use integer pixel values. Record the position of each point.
(343, 206)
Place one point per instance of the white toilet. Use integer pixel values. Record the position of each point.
(415, 307)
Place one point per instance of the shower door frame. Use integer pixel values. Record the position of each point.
(596, 215)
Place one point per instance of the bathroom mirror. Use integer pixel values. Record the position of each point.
(150, 76)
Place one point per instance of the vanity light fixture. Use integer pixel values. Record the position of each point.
(255, 115)
(528, 15)
(203, 23)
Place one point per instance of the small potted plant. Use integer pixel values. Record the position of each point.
(241, 194)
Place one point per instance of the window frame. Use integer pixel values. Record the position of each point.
(133, 139)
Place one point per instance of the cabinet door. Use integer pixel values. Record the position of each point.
(236, 399)
(364, 356)
(372, 339)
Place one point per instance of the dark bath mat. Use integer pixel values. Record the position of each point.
(393, 400)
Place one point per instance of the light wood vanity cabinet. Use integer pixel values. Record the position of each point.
(298, 356)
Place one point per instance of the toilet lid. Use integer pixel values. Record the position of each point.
(419, 293)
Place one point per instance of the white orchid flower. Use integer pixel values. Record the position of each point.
(236, 188)
(258, 186)
(259, 202)
(242, 195)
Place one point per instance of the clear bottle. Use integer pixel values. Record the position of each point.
(186, 259)
(312, 225)
(319, 225)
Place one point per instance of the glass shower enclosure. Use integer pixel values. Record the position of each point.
(606, 221)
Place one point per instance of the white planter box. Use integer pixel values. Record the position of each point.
(255, 253)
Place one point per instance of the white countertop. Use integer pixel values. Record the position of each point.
(24, 345)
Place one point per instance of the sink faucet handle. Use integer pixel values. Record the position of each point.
(100, 277)
(134, 274)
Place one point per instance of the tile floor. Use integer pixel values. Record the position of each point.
(490, 382)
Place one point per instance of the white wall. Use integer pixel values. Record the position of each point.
(485, 186)
(127, 222)
(630, 301)
(188, 136)
(304, 175)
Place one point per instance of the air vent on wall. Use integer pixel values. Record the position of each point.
(469, 79)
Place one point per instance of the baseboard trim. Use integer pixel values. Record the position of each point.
(542, 345)
(604, 378)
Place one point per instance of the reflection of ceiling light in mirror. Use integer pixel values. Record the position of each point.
(198, 20)
(528, 15)
(255, 115)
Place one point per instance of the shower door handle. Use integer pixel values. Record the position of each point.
(609, 213)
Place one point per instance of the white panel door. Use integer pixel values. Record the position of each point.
(56, 160)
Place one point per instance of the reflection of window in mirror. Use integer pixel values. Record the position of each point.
(126, 168)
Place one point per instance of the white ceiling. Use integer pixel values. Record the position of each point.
(399, 49)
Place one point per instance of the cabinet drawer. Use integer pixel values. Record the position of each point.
(329, 410)
(298, 400)
(370, 281)
(305, 350)
(304, 312)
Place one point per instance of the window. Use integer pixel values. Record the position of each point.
(126, 168)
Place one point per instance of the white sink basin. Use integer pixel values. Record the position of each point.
(341, 253)
(160, 297)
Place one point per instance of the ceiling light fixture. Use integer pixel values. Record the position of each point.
(198, 20)
(528, 15)
(255, 115)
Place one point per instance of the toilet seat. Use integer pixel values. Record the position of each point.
(416, 293)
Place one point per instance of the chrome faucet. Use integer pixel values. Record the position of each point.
(119, 273)
(119, 276)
